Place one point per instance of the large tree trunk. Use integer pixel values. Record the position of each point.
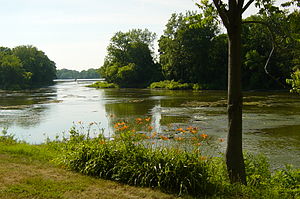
(234, 152)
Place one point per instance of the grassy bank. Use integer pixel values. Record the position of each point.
(134, 156)
(28, 171)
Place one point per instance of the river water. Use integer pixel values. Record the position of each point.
(271, 120)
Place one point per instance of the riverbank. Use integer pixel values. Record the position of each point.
(31, 171)
(26, 171)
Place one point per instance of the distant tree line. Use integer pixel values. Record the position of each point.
(74, 74)
(25, 67)
(193, 49)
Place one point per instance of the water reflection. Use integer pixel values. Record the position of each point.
(25, 108)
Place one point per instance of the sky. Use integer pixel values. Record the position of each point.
(75, 33)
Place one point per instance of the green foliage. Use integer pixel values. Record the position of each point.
(173, 85)
(277, 28)
(130, 157)
(295, 81)
(25, 67)
(123, 160)
(36, 62)
(129, 62)
(73, 74)
(103, 85)
(191, 51)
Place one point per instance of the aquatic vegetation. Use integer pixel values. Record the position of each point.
(103, 84)
(173, 85)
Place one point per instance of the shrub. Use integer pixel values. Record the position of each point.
(103, 85)
(173, 85)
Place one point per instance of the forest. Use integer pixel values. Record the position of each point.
(74, 74)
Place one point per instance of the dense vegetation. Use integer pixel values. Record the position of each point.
(138, 156)
(194, 50)
(74, 74)
(103, 84)
(25, 67)
(130, 62)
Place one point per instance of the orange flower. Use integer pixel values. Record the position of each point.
(153, 134)
(164, 137)
(180, 129)
(147, 119)
(150, 128)
(204, 136)
(139, 120)
(179, 138)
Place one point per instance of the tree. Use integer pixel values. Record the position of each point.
(12, 75)
(189, 49)
(129, 61)
(295, 81)
(231, 16)
(36, 62)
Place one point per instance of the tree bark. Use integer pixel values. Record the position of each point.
(234, 152)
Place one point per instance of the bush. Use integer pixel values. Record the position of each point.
(173, 85)
(103, 85)
(126, 159)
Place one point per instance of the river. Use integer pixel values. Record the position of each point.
(271, 120)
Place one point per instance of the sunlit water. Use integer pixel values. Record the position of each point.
(271, 120)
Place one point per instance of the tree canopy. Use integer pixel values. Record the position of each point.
(129, 61)
(25, 67)
(74, 74)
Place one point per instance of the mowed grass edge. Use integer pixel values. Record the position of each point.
(27, 172)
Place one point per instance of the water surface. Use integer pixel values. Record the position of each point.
(271, 120)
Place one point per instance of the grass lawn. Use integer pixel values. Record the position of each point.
(25, 174)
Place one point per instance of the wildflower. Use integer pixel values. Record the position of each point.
(139, 120)
(179, 138)
(150, 128)
(154, 134)
(164, 137)
(204, 136)
(180, 130)
(147, 119)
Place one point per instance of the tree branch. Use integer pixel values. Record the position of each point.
(247, 5)
(222, 11)
(271, 52)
